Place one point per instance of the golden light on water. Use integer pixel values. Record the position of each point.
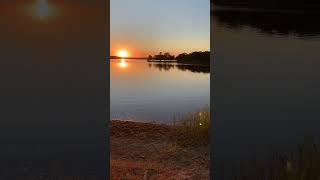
(123, 64)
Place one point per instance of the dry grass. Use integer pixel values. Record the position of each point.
(194, 128)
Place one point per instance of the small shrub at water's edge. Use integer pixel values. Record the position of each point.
(194, 127)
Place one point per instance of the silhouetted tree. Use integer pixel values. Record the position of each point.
(165, 56)
(197, 57)
(270, 4)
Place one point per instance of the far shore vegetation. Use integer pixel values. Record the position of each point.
(196, 57)
(305, 5)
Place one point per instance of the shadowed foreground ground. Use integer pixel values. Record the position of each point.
(150, 151)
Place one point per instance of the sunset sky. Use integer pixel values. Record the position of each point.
(144, 27)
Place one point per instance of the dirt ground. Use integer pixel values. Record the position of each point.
(150, 151)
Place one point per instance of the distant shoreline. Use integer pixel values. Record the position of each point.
(215, 8)
(191, 63)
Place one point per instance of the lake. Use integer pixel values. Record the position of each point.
(266, 86)
(156, 92)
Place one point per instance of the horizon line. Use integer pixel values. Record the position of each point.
(114, 56)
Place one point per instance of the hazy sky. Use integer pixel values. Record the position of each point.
(146, 27)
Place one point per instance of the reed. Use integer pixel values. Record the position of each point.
(193, 127)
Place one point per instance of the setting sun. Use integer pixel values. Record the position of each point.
(123, 53)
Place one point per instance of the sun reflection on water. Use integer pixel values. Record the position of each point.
(123, 64)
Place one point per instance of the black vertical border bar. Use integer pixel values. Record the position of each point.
(107, 91)
(212, 107)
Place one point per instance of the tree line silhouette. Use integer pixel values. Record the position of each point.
(300, 25)
(197, 57)
(164, 56)
(271, 4)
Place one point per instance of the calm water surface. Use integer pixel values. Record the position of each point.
(267, 85)
(156, 92)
